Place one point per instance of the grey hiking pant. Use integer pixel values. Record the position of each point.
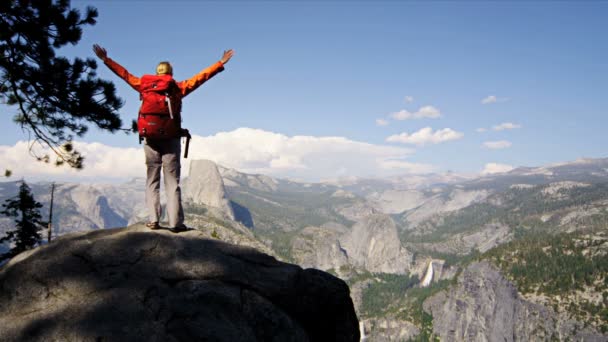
(165, 154)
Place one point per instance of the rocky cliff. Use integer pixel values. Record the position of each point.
(134, 284)
(319, 248)
(485, 306)
(205, 186)
(373, 244)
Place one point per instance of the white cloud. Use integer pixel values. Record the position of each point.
(424, 112)
(409, 99)
(489, 99)
(497, 144)
(505, 125)
(493, 99)
(426, 136)
(381, 122)
(101, 161)
(491, 168)
(401, 115)
(306, 157)
(481, 130)
(245, 149)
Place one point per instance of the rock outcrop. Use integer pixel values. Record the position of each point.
(483, 239)
(373, 244)
(396, 201)
(133, 284)
(484, 306)
(319, 248)
(445, 202)
(205, 186)
(387, 330)
(88, 206)
(238, 179)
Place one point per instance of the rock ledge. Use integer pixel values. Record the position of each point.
(140, 285)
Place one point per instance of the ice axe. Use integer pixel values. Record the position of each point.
(186, 133)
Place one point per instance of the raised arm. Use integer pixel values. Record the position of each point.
(194, 82)
(118, 69)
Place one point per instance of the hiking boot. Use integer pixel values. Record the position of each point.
(180, 228)
(153, 225)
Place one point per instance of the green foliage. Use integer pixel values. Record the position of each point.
(556, 264)
(28, 221)
(289, 210)
(355, 275)
(559, 265)
(7, 173)
(54, 99)
(426, 330)
(413, 310)
(399, 295)
(214, 234)
(380, 295)
(280, 240)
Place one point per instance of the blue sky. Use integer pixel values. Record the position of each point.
(305, 73)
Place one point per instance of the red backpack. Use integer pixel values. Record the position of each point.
(159, 114)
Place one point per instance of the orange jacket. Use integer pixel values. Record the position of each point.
(185, 87)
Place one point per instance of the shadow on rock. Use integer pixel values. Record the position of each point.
(137, 285)
(242, 214)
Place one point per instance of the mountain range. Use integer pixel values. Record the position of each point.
(486, 240)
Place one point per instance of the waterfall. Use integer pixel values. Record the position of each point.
(428, 276)
(362, 332)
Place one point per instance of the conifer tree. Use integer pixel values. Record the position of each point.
(28, 221)
(52, 97)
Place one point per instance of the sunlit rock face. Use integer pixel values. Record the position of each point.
(373, 244)
(205, 186)
(485, 306)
